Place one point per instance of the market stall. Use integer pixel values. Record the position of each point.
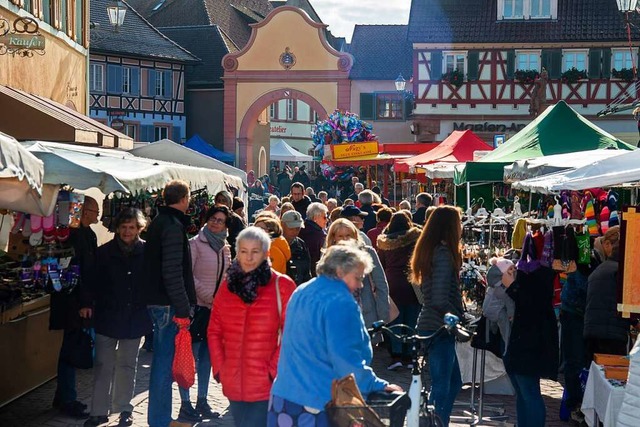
(283, 152)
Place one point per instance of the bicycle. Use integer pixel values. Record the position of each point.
(421, 413)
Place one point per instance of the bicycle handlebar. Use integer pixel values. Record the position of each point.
(452, 326)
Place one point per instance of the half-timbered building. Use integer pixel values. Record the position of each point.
(136, 77)
(476, 63)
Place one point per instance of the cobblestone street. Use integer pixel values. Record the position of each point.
(34, 409)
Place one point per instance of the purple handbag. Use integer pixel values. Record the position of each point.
(528, 262)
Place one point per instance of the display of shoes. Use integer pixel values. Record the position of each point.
(96, 420)
(126, 419)
(394, 365)
(188, 413)
(203, 408)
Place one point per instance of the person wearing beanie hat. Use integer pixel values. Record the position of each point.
(497, 307)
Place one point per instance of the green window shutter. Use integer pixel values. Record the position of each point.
(367, 106)
(606, 63)
(595, 63)
(552, 61)
(408, 107)
(473, 65)
(511, 64)
(436, 65)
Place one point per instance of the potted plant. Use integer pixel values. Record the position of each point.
(454, 77)
(526, 76)
(573, 75)
(625, 74)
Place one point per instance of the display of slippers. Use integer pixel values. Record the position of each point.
(36, 238)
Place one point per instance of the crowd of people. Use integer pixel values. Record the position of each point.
(279, 307)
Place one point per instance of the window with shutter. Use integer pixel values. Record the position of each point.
(552, 61)
(436, 65)
(114, 79)
(473, 65)
(367, 106)
(595, 63)
(146, 133)
(606, 63)
(168, 84)
(135, 81)
(151, 83)
(176, 134)
(511, 64)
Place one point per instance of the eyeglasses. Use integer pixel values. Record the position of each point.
(215, 220)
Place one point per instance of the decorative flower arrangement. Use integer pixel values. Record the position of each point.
(625, 74)
(573, 75)
(341, 127)
(526, 76)
(454, 77)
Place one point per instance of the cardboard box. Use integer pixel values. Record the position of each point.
(610, 359)
(616, 372)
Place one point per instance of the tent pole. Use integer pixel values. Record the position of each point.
(468, 194)
(455, 195)
(395, 189)
(530, 199)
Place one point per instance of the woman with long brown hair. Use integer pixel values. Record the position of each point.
(435, 267)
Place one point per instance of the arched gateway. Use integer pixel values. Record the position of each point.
(287, 57)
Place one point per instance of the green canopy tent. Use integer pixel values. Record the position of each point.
(560, 129)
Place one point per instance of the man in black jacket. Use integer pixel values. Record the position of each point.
(299, 200)
(169, 291)
(300, 265)
(65, 309)
(423, 201)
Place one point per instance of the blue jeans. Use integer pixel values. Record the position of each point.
(161, 378)
(446, 381)
(203, 369)
(408, 316)
(530, 409)
(66, 388)
(249, 414)
(573, 355)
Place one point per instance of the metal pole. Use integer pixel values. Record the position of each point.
(468, 195)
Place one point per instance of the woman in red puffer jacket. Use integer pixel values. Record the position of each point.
(244, 328)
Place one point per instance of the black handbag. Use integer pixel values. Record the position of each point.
(484, 339)
(200, 323)
(78, 348)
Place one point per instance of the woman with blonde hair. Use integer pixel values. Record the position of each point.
(374, 296)
(279, 252)
(435, 267)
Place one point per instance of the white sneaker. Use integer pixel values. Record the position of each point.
(394, 365)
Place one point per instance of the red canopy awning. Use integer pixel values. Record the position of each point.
(458, 147)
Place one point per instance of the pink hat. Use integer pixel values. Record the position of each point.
(502, 263)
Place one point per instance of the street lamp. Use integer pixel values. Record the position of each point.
(401, 83)
(117, 11)
(627, 6)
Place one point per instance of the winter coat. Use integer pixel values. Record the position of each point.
(167, 258)
(209, 268)
(630, 411)
(441, 291)
(375, 232)
(370, 219)
(374, 307)
(314, 237)
(419, 216)
(601, 318)
(64, 306)
(395, 252)
(236, 225)
(280, 254)
(302, 205)
(116, 291)
(300, 266)
(533, 343)
(324, 339)
(243, 339)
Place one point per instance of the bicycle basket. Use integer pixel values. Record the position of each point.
(348, 408)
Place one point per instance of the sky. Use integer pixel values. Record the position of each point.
(342, 15)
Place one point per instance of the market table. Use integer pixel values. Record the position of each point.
(602, 398)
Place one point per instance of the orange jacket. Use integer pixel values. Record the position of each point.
(243, 339)
(280, 254)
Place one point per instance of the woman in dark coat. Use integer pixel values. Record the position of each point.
(120, 318)
(395, 246)
(532, 351)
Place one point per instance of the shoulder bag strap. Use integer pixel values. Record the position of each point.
(220, 271)
(279, 302)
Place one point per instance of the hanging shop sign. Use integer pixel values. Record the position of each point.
(21, 38)
(345, 151)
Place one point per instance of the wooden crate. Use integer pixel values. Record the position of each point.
(610, 359)
(616, 372)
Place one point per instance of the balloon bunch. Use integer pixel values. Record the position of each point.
(341, 127)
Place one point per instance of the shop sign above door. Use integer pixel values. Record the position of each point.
(21, 38)
(345, 151)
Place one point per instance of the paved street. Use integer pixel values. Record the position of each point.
(34, 409)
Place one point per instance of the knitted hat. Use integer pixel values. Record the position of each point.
(498, 267)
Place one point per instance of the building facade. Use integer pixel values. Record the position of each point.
(137, 78)
(477, 64)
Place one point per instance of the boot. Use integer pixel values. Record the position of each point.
(188, 413)
(203, 408)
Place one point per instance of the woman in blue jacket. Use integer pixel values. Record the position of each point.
(324, 339)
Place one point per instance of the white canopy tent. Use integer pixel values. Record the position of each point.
(544, 165)
(112, 170)
(22, 187)
(438, 170)
(612, 171)
(169, 151)
(283, 152)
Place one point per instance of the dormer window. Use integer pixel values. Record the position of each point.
(527, 9)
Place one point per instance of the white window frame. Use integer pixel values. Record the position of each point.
(272, 111)
(624, 52)
(566, 66)
(160, 132)
(289, 109)
(454, 54)
(529, 53)
(131, 129)
(94, 87)
(160, 84)
(126, 80)
(527, 12)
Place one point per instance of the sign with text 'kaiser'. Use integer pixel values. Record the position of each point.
(357, 149)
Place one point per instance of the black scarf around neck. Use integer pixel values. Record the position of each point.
(245, 285)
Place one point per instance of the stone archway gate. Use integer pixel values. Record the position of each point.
(287, 57)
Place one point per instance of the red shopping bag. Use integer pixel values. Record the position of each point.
(184, 367)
